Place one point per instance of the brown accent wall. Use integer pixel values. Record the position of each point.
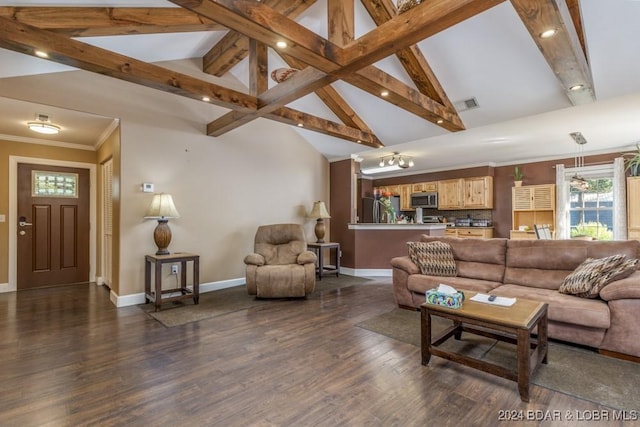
(534, 173)
(341, 179)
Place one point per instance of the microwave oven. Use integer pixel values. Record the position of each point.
(424, 200)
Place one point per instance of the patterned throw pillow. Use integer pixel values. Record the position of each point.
(433, 258)
(591, 273)
(622, 271)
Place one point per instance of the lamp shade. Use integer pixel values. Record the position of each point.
(162, 207)
(319, 211)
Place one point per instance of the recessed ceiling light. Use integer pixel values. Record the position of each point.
(300, 125)
(281, 44)
(548, 33)
(575, 88)
(384, 93)
(41, 54)
(440, 121)
(206, 99)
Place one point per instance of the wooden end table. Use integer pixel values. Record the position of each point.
(319, 248)
(512, 324)
(156, 294)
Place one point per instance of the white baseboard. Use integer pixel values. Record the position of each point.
(135, 299)
(4, 287)
(364, 272)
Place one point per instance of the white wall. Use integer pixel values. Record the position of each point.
(263, 172)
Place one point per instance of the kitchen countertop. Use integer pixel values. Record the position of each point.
(382, 226)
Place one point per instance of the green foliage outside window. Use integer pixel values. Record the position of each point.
(592, 229)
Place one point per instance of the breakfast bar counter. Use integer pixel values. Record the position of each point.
(375, 244)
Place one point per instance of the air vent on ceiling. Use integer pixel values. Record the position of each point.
(467, 104)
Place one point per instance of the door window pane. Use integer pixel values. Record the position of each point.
(54, 184)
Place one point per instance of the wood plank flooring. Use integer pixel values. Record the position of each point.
(69, 357)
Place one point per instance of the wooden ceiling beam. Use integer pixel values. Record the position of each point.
(411, 58)
(576, 17)
(374, 81)
(327, 127)
(110, 21)
(26, 39)
(335, 102)
(302, 83)
(234, 46)
(258, 21)
(341, 21)
(417, 24)
(563, 51)
(258, 68)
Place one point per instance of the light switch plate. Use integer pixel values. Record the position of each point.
(147, 187)
(2, 218)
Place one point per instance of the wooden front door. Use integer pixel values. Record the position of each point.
(53, 226)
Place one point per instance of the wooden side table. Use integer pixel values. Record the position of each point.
(156, 294)
(321, 268)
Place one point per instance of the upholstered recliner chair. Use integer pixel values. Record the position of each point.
(281, 266)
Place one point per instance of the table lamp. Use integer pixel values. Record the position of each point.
(162, 208)
(319, 211)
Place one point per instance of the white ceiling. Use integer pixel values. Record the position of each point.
(524, 115)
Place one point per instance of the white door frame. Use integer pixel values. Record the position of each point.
(13, 214)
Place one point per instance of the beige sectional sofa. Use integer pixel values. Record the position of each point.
(535, 269)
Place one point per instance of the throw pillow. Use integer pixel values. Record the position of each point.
(433, 258)
(622, 271)
(592, 272)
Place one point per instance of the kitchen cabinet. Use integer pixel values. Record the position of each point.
(450, 194)
(633, 207)
(469, 232)
(423, 187)
(405, 197)
(532, 204)
(478, 193)
(395, 190)
(466, 193)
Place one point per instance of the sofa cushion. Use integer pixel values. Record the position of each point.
(592, 313)
(476, 258)
(591, 273)
(434, 258)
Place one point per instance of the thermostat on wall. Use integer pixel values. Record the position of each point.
(147, 187)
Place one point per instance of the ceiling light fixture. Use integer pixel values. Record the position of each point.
(575, 88)
(548, 33)
(42, 125)
(281, 44)
(41, 54)
(439, 121)
(384, 93)
(300, 125)
(395, 161)
(577, 181)
(206, 99)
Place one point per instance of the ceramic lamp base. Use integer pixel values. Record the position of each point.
(162, 236)
(320, 230)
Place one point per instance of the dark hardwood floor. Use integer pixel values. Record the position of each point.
(69, 357)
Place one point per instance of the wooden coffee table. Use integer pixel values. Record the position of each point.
(512, 324)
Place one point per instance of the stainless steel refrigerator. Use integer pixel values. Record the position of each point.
(373, 210)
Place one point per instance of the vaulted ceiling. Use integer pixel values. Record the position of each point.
(369, 78)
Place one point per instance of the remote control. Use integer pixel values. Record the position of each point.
(492, 297)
